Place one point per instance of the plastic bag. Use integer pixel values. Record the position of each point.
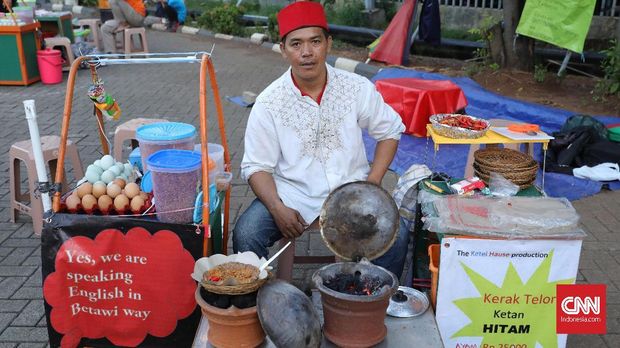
(502, 187)
(602, 172)
(511, 217)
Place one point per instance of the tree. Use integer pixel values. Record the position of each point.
(521, 55)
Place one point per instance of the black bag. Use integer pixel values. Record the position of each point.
(599, 152)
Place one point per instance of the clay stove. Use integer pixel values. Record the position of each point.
(358, 221)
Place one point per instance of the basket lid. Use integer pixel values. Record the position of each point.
(358, 220)
(165, 131)
(174, 161)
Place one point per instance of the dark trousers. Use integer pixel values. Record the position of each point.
(166, 12)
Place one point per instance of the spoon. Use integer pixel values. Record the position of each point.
(264, 265)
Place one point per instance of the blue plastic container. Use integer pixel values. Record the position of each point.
(164, 135)
(175, 175)
(135, 159)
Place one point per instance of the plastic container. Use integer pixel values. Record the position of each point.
(135, 159)
(175, 175)
(50, 66)
(433, 266)
(25, 13)
(222, 180)
(164, 135)
(216, 152)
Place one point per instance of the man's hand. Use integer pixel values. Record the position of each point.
(289, 221)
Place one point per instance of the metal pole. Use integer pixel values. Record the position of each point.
(564, 63)
(33, 127)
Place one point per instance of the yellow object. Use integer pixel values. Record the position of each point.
(433, 187)
(489, 138)
(110, 109)
(433, 266)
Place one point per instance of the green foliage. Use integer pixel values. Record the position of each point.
(481, 59)
(389, 7)
(349, 13)
(88, 3)
(540, 72)
(223, 19)
(610, 84)
(272, 28)
(482, 30)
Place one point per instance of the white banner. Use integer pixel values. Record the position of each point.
(502, 293)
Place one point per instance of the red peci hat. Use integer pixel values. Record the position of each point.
(301, 14)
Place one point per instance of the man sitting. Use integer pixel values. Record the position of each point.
(304, 139)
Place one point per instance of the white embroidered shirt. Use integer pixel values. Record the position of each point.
(312, 149)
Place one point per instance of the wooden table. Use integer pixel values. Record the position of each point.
(420, 331)
(18, 61)
(59, 25)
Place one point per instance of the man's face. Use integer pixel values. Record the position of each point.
(306, 50)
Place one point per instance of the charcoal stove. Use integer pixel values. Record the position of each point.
(359, 222)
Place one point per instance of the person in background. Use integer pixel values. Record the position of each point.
(174, 11)
(10, 3)
(127, 13)
(304, 139)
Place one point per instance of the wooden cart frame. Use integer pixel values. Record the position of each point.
(206, 66)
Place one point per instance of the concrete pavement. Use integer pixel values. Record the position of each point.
(171, 91)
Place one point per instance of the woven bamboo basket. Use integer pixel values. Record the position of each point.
(510, 174)
(502, 157)
(516, 177)
(457, 132)
(239, 289)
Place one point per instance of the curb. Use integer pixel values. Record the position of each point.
(80, 10)
(346, 64)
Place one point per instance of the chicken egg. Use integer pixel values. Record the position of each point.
(73, 201)
(88, 202)
(120, 203)
(136, 204)
(113, 190)
(105, 203)
(99, 189)
(131, 190)
(84, 189)
(120, 182)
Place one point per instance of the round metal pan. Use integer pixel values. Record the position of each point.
(358, 220)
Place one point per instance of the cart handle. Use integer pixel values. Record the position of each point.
(205, 65)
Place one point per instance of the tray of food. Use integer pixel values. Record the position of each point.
(458, 126)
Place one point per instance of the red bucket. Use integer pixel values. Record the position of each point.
(50, 66)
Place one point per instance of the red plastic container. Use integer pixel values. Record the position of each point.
(50, 66)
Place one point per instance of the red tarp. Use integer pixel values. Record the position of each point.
(393, 42)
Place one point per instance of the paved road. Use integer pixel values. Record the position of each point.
(171, 91)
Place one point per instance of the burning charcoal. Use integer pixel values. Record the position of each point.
(399, 296)
(354, 284)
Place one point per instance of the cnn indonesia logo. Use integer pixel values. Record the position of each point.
(581, 309)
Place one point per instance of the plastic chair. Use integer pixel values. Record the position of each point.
(95, 28)
(288, 258)
(127, 42)
(65, 43)
(497, 122)
(127, 131)
(22, 151)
